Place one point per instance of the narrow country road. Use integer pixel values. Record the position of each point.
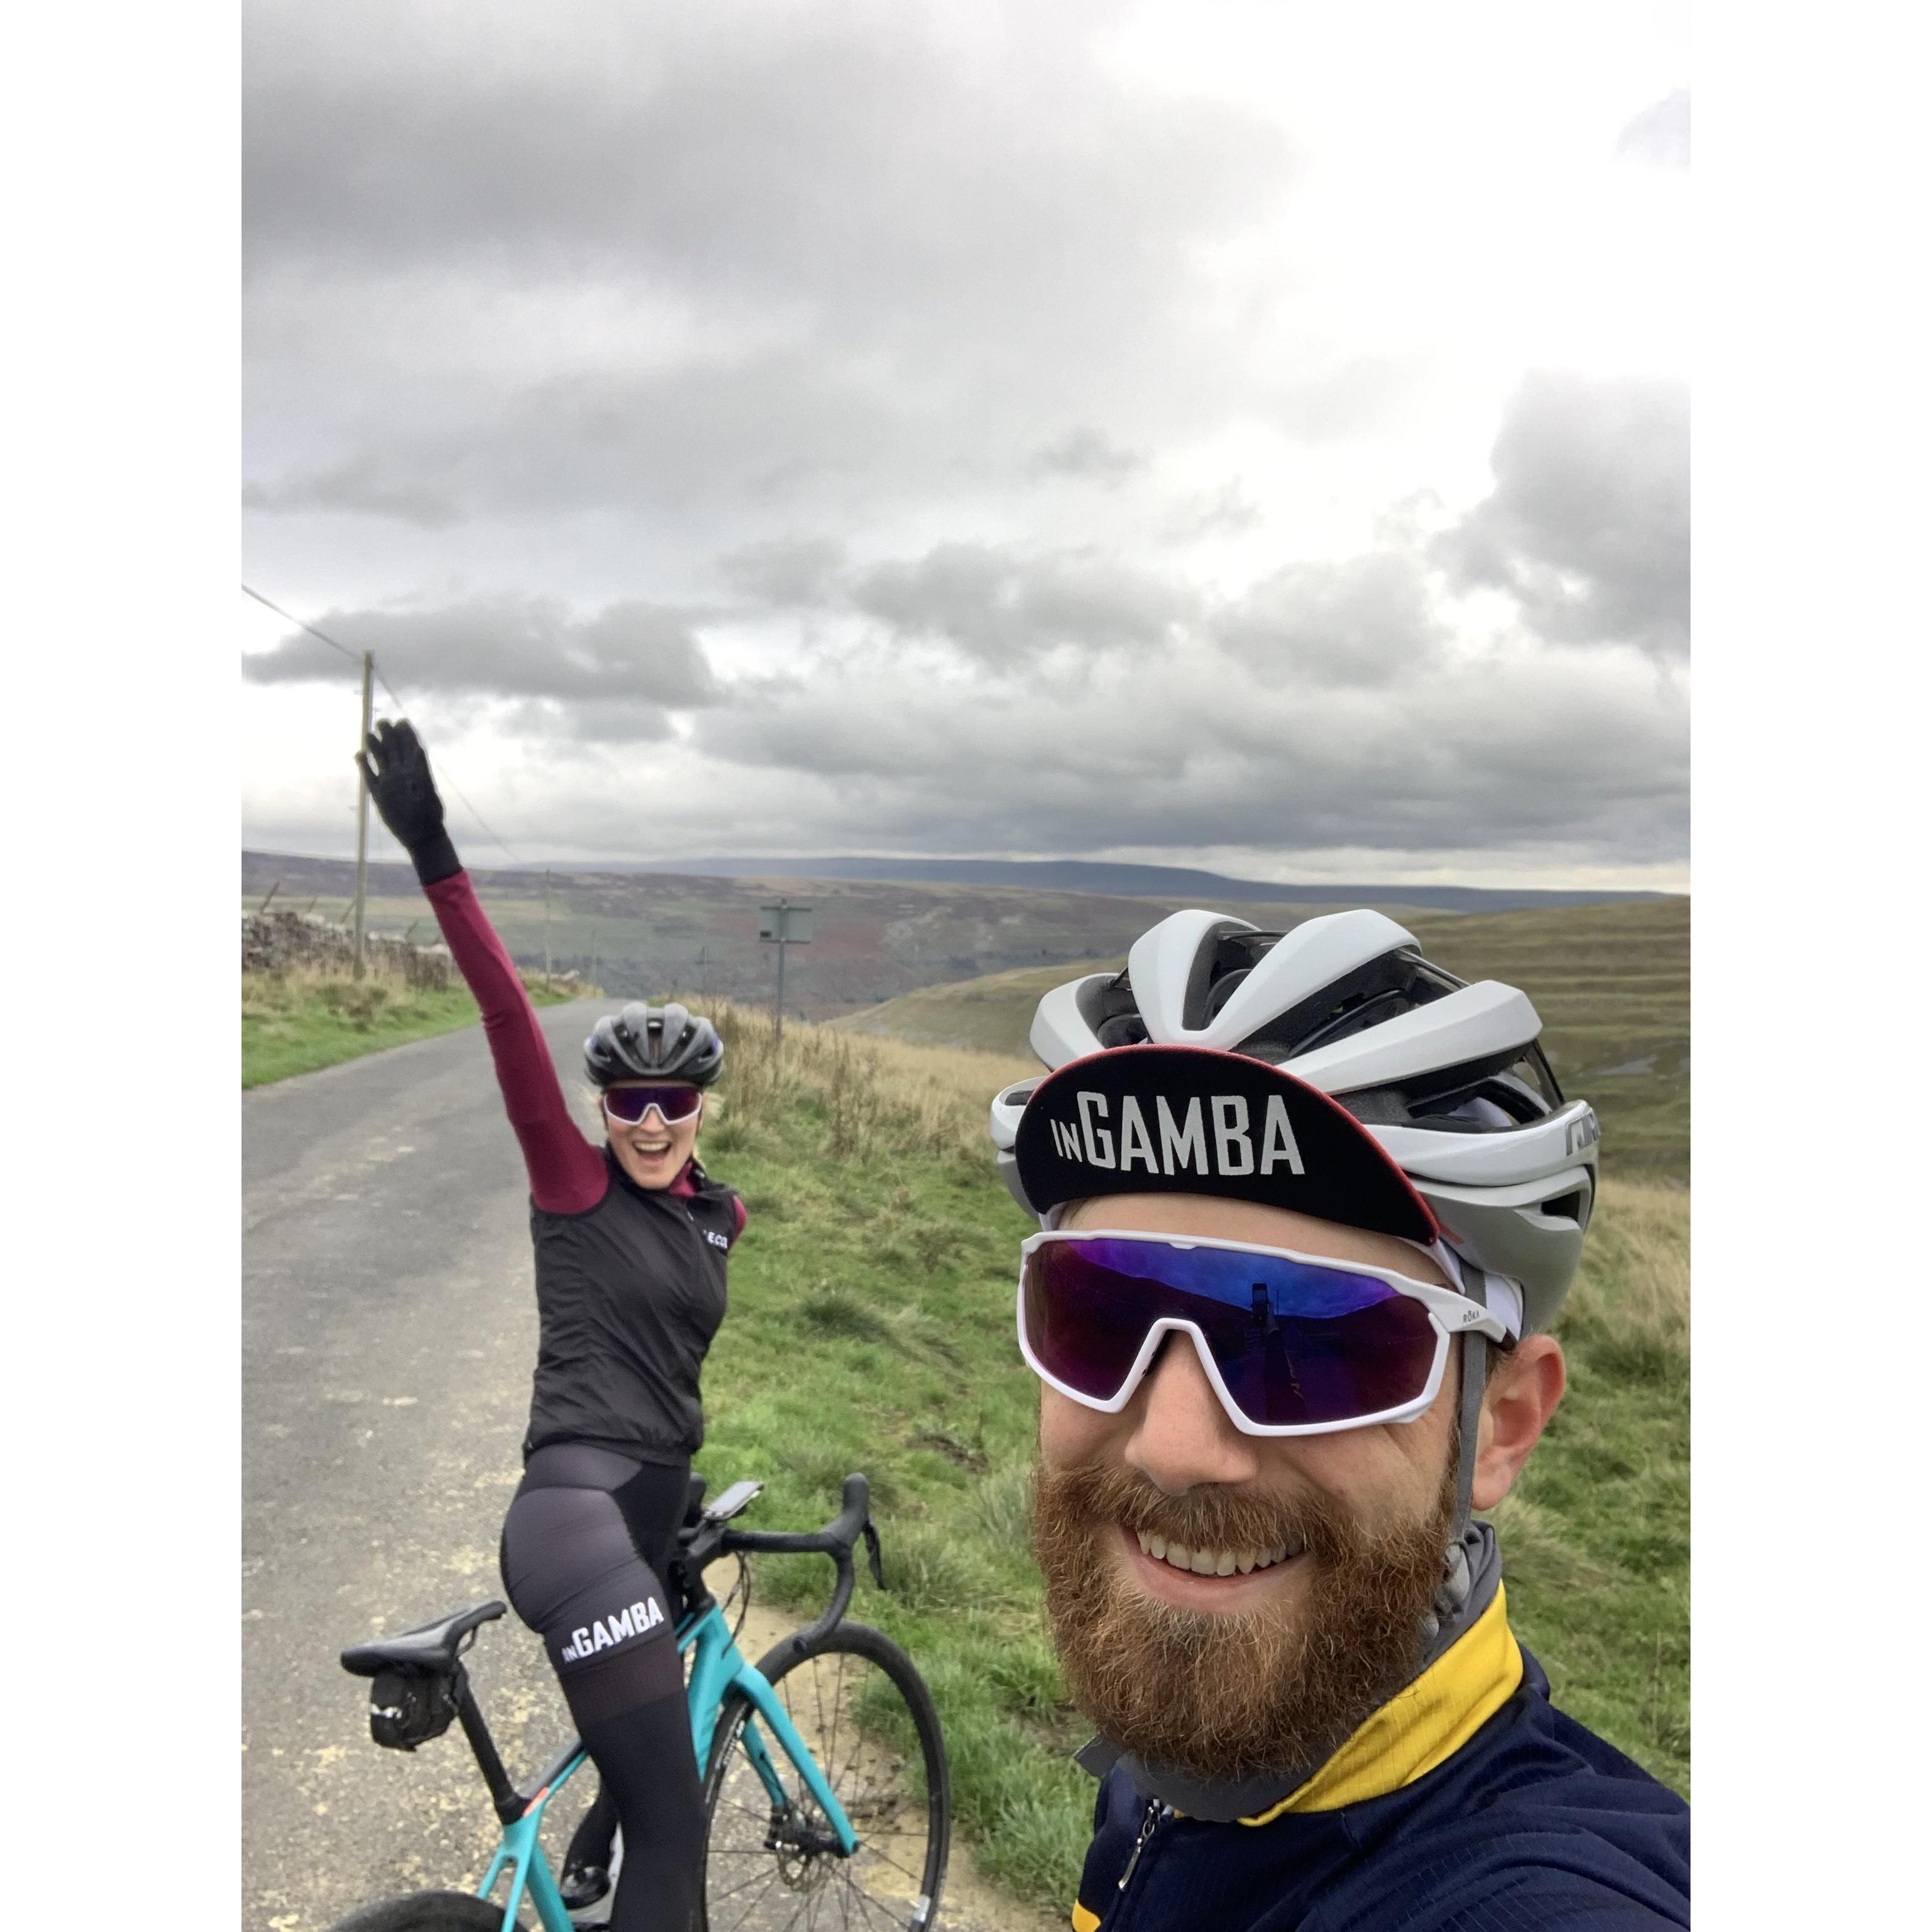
(388, 1332)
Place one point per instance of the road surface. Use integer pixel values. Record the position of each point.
(388, 1331)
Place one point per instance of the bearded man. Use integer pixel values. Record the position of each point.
(1307, 1203)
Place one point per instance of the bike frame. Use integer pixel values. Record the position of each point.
(718, 1668)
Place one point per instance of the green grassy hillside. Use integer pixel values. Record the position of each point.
(989, 1014)
(295, 1022)
(1612, 983)
(870, 1328)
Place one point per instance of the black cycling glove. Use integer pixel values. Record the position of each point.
(398, 769)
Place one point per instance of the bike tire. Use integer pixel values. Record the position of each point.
(903, 1816)
(428, 1911)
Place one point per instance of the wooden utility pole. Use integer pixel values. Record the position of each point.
(546, 922)
(362, 810)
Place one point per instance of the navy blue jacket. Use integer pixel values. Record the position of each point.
(1535, 1824)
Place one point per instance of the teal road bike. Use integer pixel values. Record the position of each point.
(825, 1782)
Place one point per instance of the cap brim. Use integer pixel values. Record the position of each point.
(1182, 1120)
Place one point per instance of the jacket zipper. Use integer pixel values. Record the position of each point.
(1152, 1818)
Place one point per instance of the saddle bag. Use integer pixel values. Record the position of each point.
(405, 1710)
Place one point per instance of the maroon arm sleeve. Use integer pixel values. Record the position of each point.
(567, 1174)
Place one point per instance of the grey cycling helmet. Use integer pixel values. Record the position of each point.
(1448, 1077)
(644, 1042)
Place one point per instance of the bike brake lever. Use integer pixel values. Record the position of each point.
(872, 1554)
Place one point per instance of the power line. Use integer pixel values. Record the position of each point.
(442, 771)
(356, 656)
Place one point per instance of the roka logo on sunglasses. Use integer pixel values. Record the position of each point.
(1184, 1144)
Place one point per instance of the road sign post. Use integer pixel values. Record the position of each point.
(783, 925)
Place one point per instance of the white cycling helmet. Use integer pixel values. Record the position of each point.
(1446, 1078)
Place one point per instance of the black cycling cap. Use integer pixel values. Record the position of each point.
(1182, 1120)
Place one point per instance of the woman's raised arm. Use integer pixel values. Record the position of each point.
(567, 1175)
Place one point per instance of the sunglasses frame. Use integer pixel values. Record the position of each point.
(603, 1103)
(1450, 1314)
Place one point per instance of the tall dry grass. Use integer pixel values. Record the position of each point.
(298, 1018)
(868, 1095)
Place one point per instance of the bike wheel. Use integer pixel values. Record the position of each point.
(428, 1911)
(867, 1718)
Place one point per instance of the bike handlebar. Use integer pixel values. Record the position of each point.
(834, 1540)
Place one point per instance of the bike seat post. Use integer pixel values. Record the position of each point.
(508, 1800)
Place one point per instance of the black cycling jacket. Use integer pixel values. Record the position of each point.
(629, 1294)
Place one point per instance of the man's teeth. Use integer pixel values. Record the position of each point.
(1216, 1562)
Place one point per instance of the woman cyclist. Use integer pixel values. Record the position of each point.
(631, 1238)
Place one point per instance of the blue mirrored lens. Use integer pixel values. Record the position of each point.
(1295, 1342)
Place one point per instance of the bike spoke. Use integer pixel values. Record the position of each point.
(732, 1891)
(837, 1700)
(772, 1879)
(866, 1899)
(884, 1859)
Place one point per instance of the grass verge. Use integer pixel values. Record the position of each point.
(295, 1022)
(870, 1328)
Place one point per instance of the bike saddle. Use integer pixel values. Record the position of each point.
(428, 1650)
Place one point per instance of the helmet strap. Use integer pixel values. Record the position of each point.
(1469, 1416)
(1452, 1593)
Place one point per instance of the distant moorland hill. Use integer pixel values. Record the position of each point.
(1181, 884)
(636, 933)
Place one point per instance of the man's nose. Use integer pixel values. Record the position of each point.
(1183, 1436)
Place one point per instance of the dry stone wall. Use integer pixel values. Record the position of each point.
(275, 942)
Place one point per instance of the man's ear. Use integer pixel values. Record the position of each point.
(1523, 1390)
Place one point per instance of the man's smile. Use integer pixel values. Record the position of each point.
(1205, 1578)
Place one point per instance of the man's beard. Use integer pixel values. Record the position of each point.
(1222, 1696)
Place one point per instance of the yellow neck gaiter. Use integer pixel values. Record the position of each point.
(1424, 1724)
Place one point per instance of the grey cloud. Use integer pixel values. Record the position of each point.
(608, 720)
(795, 572)
(1589, 525)
(1002, 608)
(360, 486)
(514, 647)
(1361, 621)
(1660, 135)
(1085, 452)
(843, 148)
(1584, 752)
(885, 242)
(773, 428)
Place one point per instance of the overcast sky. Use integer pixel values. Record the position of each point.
(1253, 436)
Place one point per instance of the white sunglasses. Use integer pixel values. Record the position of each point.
(1292, 1344)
